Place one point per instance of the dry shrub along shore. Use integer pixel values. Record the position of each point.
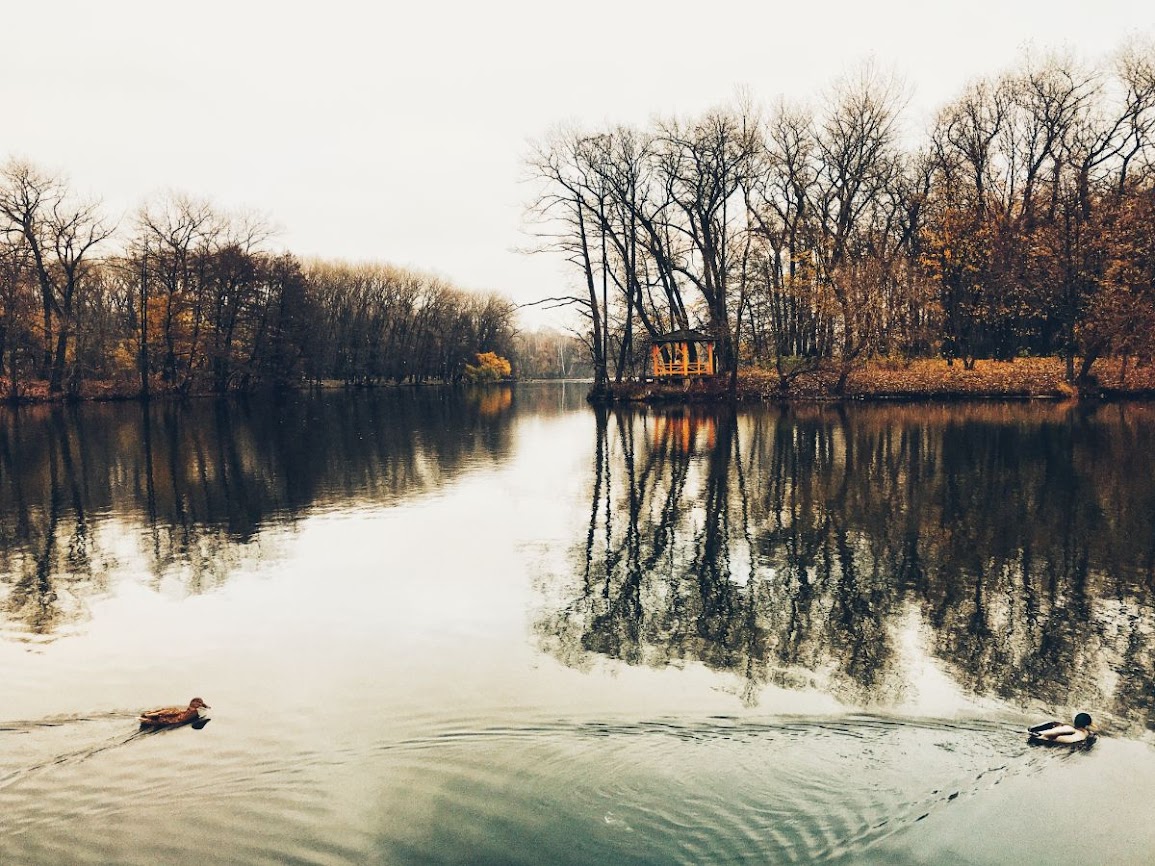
(920, 379)
(877, 380)
(1025, 377)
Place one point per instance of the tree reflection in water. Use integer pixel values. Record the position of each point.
(194, 485)
(797, 547)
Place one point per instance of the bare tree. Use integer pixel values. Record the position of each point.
(60, 235)
(173, 234)
(706, 166)
(858, 161)
(570, 204)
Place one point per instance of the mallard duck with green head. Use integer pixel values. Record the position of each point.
(1059, 734)
(166, 717)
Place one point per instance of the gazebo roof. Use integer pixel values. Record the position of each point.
(684, 336)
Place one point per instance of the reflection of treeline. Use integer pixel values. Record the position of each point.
(194, 483)
(1022, 223)
(799, 547)
(195, 301)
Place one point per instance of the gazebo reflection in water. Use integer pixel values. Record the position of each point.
(684, 431)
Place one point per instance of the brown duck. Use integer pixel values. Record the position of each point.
(170, 716)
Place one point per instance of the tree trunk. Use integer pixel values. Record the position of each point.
(56, 382)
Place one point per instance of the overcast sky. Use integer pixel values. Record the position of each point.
(396, 132)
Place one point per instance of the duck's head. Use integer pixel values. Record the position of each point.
(1083, 721)
(197, 703)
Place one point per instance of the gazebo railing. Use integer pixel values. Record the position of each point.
(681, 367)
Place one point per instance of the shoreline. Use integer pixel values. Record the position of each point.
(37, 394)
(915, 381)
(879, 381)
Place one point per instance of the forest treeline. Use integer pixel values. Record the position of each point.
(188, 298)
(799, 237)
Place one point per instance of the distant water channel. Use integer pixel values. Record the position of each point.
(440, 627)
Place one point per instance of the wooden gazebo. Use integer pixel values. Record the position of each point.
(682, 354)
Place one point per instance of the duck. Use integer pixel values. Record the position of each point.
(1057, 733)
(163, 717)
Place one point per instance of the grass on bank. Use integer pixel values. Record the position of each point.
(877, 379)
(918, 379)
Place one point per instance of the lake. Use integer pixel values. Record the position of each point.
(501, 626)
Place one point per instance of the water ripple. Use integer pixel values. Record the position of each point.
(720, 790)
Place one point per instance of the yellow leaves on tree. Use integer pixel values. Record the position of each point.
(491, 367)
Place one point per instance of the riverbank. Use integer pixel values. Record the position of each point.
(927, 379)
(933, 379)
(37, 392)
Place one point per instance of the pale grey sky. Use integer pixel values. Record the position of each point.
(396, 132)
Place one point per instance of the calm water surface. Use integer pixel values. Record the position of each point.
(501, 627)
